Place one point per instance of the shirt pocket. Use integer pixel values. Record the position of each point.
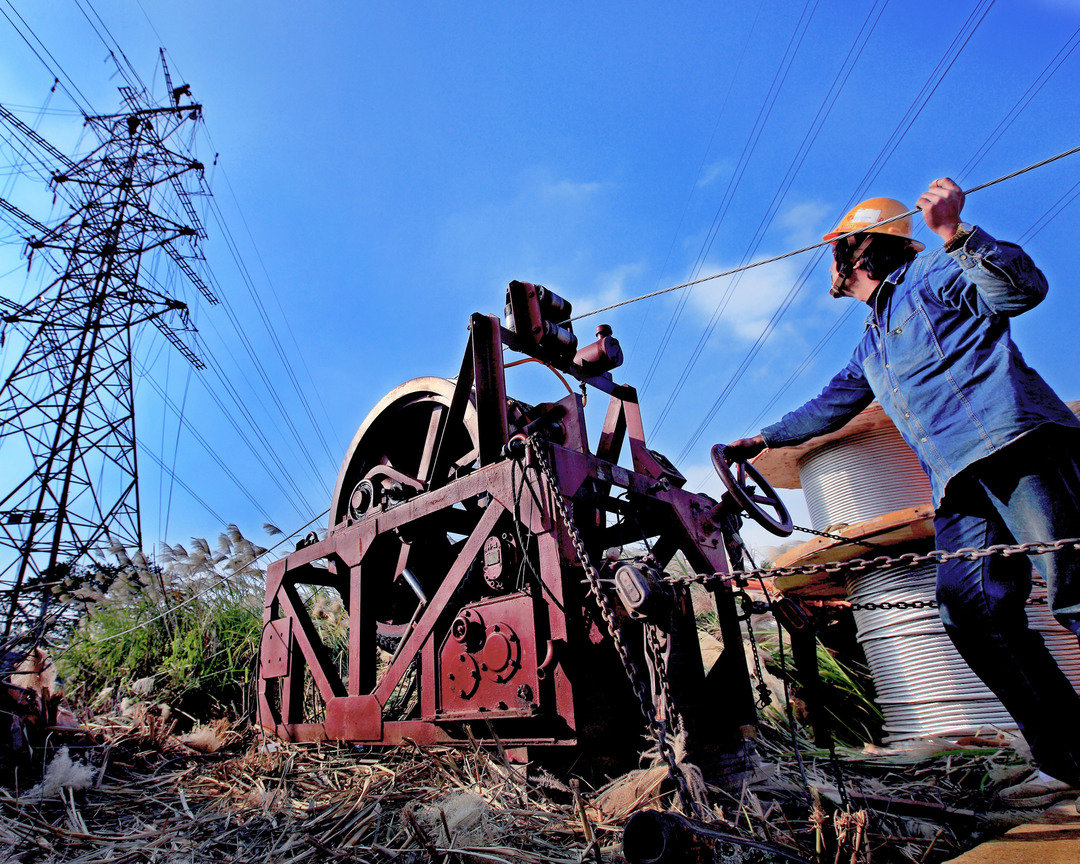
(911, 349)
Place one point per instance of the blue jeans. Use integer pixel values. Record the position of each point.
(1027, 492)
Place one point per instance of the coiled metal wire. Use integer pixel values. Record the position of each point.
(858, 478)
(923, 685)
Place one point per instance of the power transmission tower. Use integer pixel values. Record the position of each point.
(67, 408)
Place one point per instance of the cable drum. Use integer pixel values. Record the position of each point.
(923, 686)
(861, 477)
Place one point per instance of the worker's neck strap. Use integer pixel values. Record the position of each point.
(846, 264)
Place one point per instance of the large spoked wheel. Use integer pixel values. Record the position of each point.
(396, 454)
(753, 494)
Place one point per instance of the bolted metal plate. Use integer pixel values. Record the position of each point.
(495, 676)
(274, 652)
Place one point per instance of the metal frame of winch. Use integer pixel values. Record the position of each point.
(529, 635)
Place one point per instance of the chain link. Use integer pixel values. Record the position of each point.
(657, 727)
(764, 699)
(844, 540)
(657, 652)
(908, 559)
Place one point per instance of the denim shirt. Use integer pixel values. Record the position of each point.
(937, 354)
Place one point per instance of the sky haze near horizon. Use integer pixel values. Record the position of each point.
(386, 169)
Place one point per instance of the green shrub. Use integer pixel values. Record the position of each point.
(192, 623)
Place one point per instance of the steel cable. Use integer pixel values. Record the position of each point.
(824, 109)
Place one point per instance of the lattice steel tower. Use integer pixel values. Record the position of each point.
(67, 410)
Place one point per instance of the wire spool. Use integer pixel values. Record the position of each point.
(923, 686)
(857, 478)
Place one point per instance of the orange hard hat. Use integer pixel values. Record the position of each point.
(866, 217)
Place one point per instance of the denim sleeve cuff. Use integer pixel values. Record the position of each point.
(977, 245)
(774, 436)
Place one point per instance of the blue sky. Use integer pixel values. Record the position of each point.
(386, 168)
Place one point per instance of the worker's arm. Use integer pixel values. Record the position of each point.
(994, 277)
(844, 397)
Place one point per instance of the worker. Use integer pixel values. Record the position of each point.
(1001, 449)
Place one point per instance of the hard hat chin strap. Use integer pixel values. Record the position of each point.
(846, 262)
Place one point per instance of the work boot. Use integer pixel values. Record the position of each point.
(1036, 790)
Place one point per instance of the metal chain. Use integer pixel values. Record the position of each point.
(652, 637)
(648, 709)
(764, 695)
(908, 559)
(910, 604)
(845, 540)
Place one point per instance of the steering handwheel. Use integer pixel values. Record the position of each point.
(765, 506)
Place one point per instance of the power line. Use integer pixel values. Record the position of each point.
(843, 74)
(1018, 108)
(86, 108)
(819, 244)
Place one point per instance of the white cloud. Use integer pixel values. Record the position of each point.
(749, 300)
(610, 287)
(711, 172)
(757, 293)
(568, 192)
(805, 223)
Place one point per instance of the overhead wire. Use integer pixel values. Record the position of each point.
(802, 367)
(281, 467)
(832, 93)
(183, 423)
(749, 147)
(276, 341)
(56, 70)
(1051, 213)
(254, 358)
(299, 353)
(255, 295)
(696, 435)
(126, 70)
(131, 76)
(929, 87)
(944, 64)
(1018, 107)
(677, 312)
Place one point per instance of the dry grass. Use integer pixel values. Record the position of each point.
(238, 797)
